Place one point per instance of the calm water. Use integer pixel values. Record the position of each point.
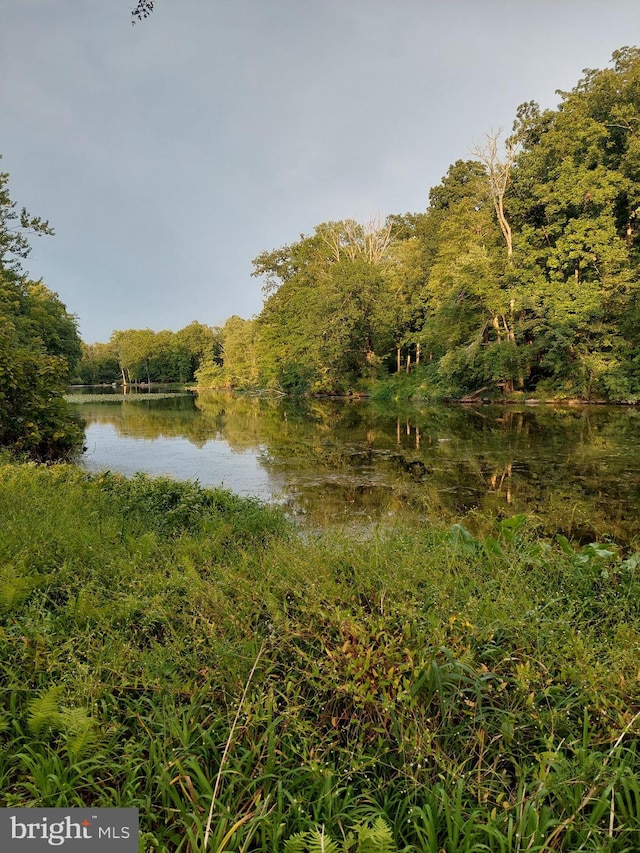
(577, 469)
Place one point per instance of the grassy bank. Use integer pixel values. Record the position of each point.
(186, 652)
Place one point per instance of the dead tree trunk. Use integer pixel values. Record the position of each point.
(499, 171)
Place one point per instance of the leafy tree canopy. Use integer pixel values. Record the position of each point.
(39, 345)
(523, 274)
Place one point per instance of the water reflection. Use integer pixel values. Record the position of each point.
(576, 469)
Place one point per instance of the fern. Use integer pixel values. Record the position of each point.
(297, 843)
(80, 730)
(14, 587)
(314, 841)
(44, 712)
(320, 842)
(82, 607)
(376, 838)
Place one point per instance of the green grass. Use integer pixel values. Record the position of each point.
(419, 691)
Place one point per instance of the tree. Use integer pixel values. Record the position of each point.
(534, 252)
(51, 322)
(499, 171)
(39, 345)
(472, 327)
(16, 227)
(165, 356)
(321, 328)
(239, 357)
(201, 343)
(575, 200)
(401, 305)
(97, 366)
(522, 274)
(134, 349)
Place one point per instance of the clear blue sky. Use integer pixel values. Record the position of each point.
(169, 154)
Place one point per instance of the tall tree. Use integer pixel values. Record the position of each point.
(575, 199)
(134, 349)
(321, 328)
(498, 167)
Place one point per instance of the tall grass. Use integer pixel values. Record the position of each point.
(183, 651)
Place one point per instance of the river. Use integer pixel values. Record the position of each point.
(574, 470)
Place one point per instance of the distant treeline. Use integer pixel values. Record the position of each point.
(141, 355)
(521, 277)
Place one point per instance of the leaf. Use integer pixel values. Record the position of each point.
(461, 537)
(14, 587)
(44, 712)
(314, 841)
(82, 741)
(513, 523)
(565, 544)
(376, 838)
(492, 546)
(508, 527)
(297, 843)
(595, 549)
(631, 563)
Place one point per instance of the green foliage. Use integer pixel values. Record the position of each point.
(76, 727)
(375, 838)
(98, 365)
(521, 277)
(15, 586)
(421, 689)
(39, 346)
(209, 375)
(327, 322)
(44, 711)
(16, 228)
(415, 689)
(142, 356)
(239, 366)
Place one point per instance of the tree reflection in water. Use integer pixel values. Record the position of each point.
(574, 469)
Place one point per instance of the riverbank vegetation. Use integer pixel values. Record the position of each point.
(189, 653)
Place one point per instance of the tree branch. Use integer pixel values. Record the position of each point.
(142, 10)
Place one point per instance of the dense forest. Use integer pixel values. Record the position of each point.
(520, 278)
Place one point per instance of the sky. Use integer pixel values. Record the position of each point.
(169, 154)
